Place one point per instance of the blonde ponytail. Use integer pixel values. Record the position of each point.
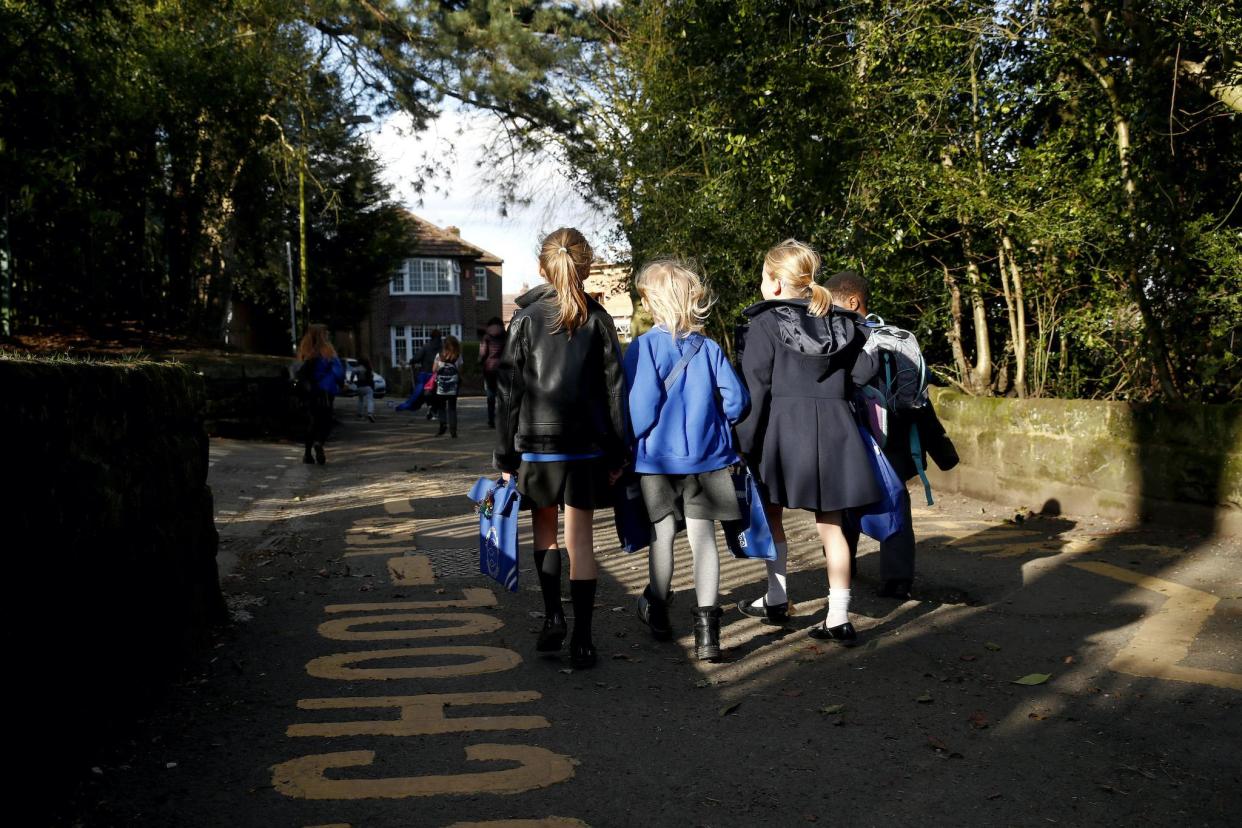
(821, 300)
(565, 260)
(795, 265)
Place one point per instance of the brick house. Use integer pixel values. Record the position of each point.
(447, 284)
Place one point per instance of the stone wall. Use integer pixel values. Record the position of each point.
(248, 395)
(1175, 464)
(109, 538)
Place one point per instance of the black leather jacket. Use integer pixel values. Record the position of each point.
(559, 394)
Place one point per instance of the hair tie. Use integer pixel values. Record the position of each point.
(562, 250)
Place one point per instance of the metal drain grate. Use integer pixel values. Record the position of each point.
(454, 563)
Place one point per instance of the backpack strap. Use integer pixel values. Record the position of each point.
(916, 454)
(693, 345)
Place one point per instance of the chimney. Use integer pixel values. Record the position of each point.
(453, 231)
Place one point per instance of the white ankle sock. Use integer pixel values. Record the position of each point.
(838, 607)
(776, 577)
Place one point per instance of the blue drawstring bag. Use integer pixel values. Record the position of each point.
(629, 513)
(749, 537)
(497, 506)
(886, 517)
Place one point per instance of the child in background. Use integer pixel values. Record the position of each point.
(561, 426)
(364, 382)
(801, 363)
(684, 398)
(447, 369)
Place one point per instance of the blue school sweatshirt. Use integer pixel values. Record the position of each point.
(687, 430)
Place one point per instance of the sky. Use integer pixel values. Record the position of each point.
(461, 197)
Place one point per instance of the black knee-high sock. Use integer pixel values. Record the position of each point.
(548, 565)
(582, 593)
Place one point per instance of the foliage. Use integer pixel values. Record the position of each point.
(155, 158)
(1047, 192)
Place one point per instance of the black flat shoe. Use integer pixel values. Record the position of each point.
(552, 636)
(319, 455)
(307, 458)
(654, 614)
(843, 634)
(895, 588)
(770, 613)
(582, 656)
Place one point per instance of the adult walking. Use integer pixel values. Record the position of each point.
(319, 379)
(364, 382)
(490, 349)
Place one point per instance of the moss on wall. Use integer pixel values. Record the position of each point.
(1150, 461)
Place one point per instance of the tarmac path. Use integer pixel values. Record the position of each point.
(372, 678)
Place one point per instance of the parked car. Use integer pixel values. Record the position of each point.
(351, 375)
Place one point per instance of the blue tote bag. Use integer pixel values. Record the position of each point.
(498, 505)
(749, 537)
(629, 513)
(886, 517)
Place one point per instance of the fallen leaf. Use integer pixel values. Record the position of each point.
(791, 694)
(620, 657)
(995, 796)
(993, 647)
(566, 670)
(1031, 679)
(926, 698)
(936, 744)
(730, 708)
(1036, 715)
(978, 720)
(968, 658)
(1069, 659)
(832, 709)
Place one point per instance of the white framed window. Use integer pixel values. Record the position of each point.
(406, 340)
(480, 283)
(423, 276)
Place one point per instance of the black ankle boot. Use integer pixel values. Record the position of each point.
(707, 633)
(581, 650)
(552, 636)
(307, 458)
(653, 612)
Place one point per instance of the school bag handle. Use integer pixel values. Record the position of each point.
(693, 344)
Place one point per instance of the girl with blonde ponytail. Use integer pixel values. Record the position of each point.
(801, 360)
(561, 424)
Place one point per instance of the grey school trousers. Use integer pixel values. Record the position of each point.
(896, 553)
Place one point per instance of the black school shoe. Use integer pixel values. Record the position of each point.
(552, 636)
(770, 613)
(707, 633)
(582, 655)
(843, 634)
(895, 588)
(319, 455)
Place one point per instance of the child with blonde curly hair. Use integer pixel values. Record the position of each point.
(684, 398)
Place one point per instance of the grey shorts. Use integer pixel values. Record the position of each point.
(703, 496)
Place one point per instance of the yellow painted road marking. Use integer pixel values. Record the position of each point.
(360, 539)
(420, 715)
(398, 507)
(411, 570)
(303, 778)
(462, 623)
(1163, 639)
(546, 822)
(486, 660)
(471, 597)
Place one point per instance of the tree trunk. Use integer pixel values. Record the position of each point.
(1100, 70)
(955, 327)
(1017, 310)
(982, 373)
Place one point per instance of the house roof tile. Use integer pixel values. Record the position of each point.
(432, 240)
